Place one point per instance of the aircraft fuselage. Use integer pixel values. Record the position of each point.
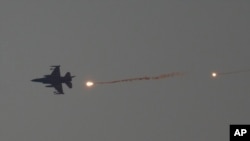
(52, 80)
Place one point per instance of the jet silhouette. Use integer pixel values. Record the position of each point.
(55, 80)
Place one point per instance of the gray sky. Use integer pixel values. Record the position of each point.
(112, 39)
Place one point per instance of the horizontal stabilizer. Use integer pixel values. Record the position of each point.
(69, 84)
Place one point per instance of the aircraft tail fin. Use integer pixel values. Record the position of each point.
(68, 78)
(69, 84)
(67, 75)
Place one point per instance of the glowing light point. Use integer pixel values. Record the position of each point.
(214, 74)
(89, 83)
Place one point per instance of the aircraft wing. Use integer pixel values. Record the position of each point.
(56, 71)
(58, 88)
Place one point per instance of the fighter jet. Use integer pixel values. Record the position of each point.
(55, 80)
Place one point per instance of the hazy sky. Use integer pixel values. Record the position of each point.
(111, 39)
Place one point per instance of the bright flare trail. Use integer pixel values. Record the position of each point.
(89, 83)
(216, 74)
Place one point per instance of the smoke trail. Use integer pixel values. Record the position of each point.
(162, 76)
(234, 72)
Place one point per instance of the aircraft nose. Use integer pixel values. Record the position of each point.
(34, 80)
